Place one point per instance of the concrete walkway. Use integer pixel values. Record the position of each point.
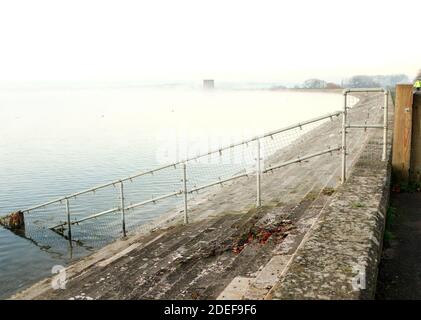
(230, 250)
(400, 269)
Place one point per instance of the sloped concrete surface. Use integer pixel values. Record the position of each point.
(340, 256)
(229, 241)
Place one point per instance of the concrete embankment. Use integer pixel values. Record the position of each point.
(340, 256)
(231, 250)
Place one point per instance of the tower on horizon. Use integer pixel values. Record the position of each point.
(208, 84)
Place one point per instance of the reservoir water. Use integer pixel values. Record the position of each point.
(56, 141)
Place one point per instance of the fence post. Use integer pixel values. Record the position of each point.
(258, 173)
(123, 215)
(186, 218)
(415, 164)
(402, 132)
(385, 123)
(69, 225)
(343, 175)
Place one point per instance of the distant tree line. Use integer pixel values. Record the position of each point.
(358, 81)
(385, 81)
(319, 84)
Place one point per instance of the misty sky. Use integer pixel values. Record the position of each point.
(226, 40)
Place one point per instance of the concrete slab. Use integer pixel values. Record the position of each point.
(236, 289)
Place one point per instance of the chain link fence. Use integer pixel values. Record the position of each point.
(92, 218)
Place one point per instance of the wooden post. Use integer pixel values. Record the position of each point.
(14, 221)
(415, 169)
(402, 133)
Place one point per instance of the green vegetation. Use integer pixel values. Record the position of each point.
(388, 236)
(357, 204)
(390, 218)
(410, 187)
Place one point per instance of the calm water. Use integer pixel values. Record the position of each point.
(55, 141)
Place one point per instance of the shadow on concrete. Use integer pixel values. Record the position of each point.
(400, 268)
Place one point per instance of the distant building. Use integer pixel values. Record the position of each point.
(208, 84)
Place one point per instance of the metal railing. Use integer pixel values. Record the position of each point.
(256, 170)
(346, 125)
(184, 164)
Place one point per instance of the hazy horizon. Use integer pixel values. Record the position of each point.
(184, 84)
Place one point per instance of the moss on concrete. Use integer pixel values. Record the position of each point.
(339, 258)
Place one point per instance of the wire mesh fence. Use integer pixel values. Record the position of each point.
(366, 119)
(95, 217)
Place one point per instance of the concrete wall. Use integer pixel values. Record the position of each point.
(339, 257)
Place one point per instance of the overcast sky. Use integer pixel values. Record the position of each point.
(192, 39)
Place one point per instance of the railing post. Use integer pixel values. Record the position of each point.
(186, 218)
(69, 225)
(385, 123)
(343, 175)
(123, 215)
(258, 173)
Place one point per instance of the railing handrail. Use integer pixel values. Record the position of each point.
(254, 138)
(350, 90)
